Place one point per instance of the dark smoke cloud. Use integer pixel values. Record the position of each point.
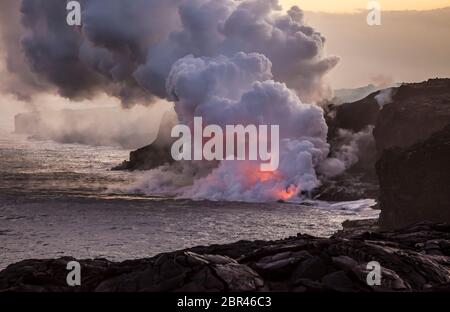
(127, 48)
(99, 56)
(18, 80)
(52, 49)
(228, 90)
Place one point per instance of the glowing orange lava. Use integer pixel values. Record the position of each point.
(288, 193)
(264, 176)
(279, 191)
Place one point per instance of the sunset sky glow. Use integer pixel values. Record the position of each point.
(342, 6)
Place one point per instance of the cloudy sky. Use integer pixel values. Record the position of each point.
(346, 6)
(410, 45)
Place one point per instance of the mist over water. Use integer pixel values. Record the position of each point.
(45, 168)
(103, 126)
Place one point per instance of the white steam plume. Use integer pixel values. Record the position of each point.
(230, 62)
(350, 149)
(385, 96)
(238, 90)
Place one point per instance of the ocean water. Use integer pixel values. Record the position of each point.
(54, 202)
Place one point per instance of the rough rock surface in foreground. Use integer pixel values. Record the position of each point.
(413, 259)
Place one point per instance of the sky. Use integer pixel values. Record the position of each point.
(411, 45)
(346, 6)
(408, 46)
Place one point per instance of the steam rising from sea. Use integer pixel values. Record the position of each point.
(229, 62)
(54, 202)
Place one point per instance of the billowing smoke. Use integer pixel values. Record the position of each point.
(212, 28)
(230, 62)
(350, 149)
(127, 48)
(239, 90)
(15, 75)
(101, 55)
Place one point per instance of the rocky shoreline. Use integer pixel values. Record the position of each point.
(416, 258)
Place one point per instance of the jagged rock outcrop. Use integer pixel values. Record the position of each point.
(416, 112)
(346, 122)
(403, 116)
(342, 96)
(352, 185)
(413, 259)
(147, 158)
(353, 116)
(415, 182)
(412, 136)
(154, 155)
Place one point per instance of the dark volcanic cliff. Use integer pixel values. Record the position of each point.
(353, 116)
(412, 136)
(411, 154)
(354, 119)
(148, 157)
(153, 155)
(416, 112)
(415, 182)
